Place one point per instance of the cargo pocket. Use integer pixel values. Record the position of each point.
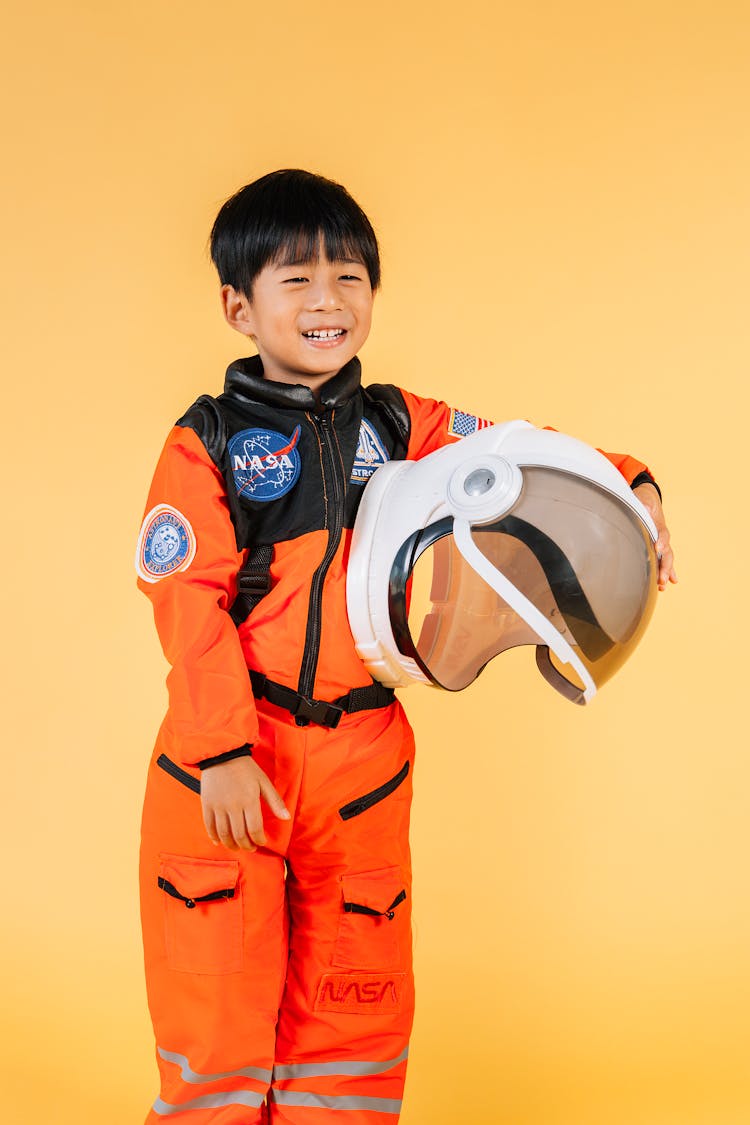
(373, 920)
(202, 914)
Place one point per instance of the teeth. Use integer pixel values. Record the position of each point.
(324, 334)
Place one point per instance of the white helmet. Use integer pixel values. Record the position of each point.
(524, 536)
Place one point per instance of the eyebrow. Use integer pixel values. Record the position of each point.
(307, 261)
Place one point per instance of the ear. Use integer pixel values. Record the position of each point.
(238, 311)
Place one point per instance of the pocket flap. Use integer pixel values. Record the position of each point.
(196, 878)
(374, 889)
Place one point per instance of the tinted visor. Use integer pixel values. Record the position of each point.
(578, 554)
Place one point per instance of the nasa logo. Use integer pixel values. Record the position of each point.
(360, 992)
(370, 453)
(166, 543)
(265, 464)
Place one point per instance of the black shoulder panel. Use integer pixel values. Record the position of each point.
(392, 405)
(207, 421)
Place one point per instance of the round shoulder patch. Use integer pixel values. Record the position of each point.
(166, 543)
(265, 464)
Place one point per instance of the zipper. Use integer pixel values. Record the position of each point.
(367, 800)
(333, 479)
(178, 774)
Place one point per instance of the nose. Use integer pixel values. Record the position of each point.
(323, 296)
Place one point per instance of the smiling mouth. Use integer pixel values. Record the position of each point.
(324, 338)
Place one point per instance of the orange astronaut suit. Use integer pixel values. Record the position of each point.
(279, 981)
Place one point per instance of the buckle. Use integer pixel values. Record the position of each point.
(248, 583)
(316, 711)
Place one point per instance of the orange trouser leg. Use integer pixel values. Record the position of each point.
(334, 1036)
(347, 1009)
(214, 972)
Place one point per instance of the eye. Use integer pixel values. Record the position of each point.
(350, 277)
(293, 280)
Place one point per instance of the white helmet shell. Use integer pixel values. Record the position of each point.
(526, 536)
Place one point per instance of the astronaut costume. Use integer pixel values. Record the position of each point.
(280, 981)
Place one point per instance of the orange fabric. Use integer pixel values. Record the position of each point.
(211, 707)
(273, 637)
(339, 983)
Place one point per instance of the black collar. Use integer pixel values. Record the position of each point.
(245, 380)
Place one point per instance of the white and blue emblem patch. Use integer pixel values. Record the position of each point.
(265, 464)
(166, 544)
(461, 425)
(370, 453)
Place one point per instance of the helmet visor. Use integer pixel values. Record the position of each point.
(568, 550)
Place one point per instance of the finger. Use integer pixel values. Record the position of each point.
(274, 800)
(666, 569)
(255, 830)
(239, 831)
(210, 823)
(224, 830)
(254, 825)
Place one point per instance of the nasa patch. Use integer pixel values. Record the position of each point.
(265, 464)
(166, 543)
(370, 453)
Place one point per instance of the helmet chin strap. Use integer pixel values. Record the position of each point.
(523, 607)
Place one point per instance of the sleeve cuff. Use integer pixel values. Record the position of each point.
(241, 752)
(645, 478)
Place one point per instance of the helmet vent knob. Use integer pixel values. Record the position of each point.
(479, 482)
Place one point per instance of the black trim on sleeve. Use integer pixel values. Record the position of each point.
(206, 420)
(241, 752)
(645, 478)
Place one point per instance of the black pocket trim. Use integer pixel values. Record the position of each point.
(367, 800)
(389, 912)
(178, 774)
(214, 896)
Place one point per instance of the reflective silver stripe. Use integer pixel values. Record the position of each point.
(211, 1101)
(190, 1075)
(323, 1101)
(317, 1070)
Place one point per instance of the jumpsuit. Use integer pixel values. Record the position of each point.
(279, 981)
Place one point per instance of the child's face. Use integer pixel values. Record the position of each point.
(307, 319)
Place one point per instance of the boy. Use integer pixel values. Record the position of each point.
(278, 948)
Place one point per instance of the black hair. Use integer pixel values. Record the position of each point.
(283, 216)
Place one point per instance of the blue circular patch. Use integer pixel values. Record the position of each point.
(166, 543)
(265, 464)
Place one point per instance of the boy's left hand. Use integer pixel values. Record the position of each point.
(649, 497)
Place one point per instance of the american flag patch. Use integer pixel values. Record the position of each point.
(461, 425)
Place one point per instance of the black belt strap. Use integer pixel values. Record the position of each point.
(306, 710)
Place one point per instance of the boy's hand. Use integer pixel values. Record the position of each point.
(649, 497)
(230, 796)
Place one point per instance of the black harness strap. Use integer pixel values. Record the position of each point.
(318, 711)
(253, 582)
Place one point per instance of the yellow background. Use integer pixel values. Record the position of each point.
(561, 191)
